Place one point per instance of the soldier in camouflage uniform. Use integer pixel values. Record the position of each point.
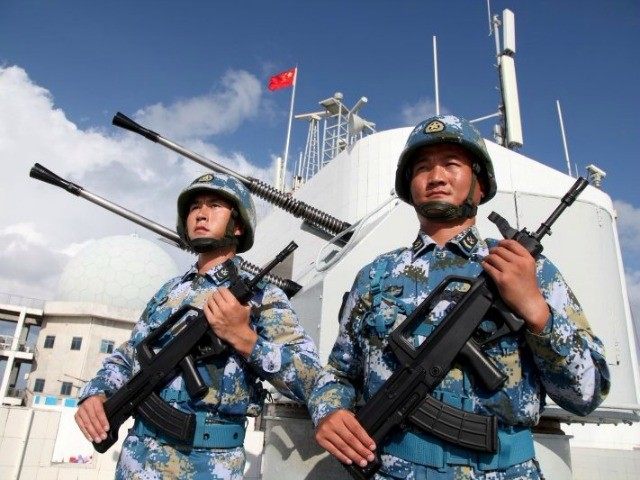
(445, 171)
(216, 219)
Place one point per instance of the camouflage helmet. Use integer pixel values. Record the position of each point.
(229, 188)
(446, 129)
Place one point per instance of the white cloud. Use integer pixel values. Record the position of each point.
(411, 114)
(633, 290)
(41, 226)
(213, 113)
(628, 223)
(628, 226)
(27, 231)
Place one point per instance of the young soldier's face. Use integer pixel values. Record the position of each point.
(442, 172)
(208, 217)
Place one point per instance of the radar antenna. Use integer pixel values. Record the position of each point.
(341, 127)
(509, 131)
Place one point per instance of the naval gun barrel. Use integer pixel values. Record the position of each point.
(313, 216)
(39, 172)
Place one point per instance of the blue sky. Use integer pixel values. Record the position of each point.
(198, 71)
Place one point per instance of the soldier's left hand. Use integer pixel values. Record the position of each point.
(513, 269)
(229, 320)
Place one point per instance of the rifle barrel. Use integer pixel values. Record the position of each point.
(579, 185)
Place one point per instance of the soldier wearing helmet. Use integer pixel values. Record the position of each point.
(445, 172)
(216, 220)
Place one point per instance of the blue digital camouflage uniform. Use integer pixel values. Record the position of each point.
(566, 360)
(284, 355)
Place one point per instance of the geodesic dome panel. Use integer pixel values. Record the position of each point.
(120, 271)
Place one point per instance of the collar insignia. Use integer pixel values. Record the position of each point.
(417, 244)
(469, 241)
(221, 274)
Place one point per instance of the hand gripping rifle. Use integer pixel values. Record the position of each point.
(39, 172)
(404, 399)
(191, 340)
(318, 219)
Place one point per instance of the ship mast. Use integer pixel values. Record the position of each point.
(341, 127)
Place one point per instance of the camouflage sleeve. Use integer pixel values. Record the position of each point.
(336, 385)
(119, 367)
(569, 357)
(116, 369)
(284, 354)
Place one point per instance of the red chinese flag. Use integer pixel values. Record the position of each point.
(282, 79)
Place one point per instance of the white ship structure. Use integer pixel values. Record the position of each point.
(347, 170)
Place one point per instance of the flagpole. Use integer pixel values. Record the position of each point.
(286, 147)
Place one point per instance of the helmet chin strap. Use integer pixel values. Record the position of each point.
(444, 211)
(208, 244)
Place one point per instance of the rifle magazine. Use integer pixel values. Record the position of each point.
(169, 421)
(466, 429)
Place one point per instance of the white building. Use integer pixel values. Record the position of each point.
(101, 294)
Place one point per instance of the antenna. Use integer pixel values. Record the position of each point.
(341, 127)
(509, 131)
(435, 74)
(564, 139)
(513, 124)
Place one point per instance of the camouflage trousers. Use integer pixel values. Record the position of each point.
(144, 458)
(395, 468)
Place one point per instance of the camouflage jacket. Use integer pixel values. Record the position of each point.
(565, 360)
(284, 355)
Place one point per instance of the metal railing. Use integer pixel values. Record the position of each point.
(16, 393)
(7, 340)
(20, 301)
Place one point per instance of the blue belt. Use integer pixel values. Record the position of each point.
(211, 432)
(515, 446)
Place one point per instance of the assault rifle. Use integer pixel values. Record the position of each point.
(404, 399)
(191, 340)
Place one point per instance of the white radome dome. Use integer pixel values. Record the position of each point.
(122, 271)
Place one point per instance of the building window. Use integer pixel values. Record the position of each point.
(38, 386)
(76, 343)
(49, 340)
(106, 346)
(66, 388)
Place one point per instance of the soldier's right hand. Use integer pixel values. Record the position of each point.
(91, 418)
(342, 436)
